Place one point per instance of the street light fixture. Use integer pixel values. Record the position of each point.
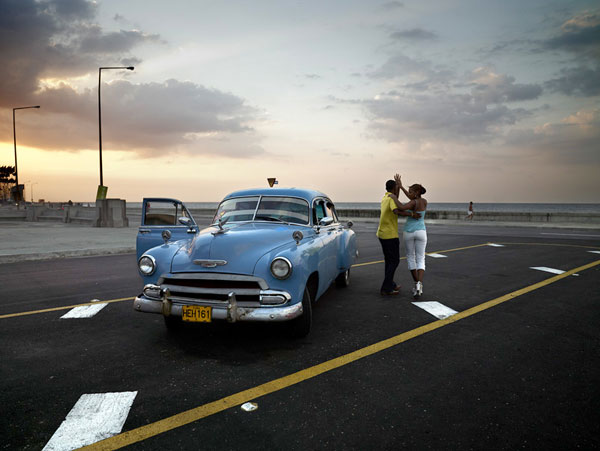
(101, 188)
(15, 141)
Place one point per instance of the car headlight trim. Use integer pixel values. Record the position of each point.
(147, 265)
(281, 268)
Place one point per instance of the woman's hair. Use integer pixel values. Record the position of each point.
(418, 188)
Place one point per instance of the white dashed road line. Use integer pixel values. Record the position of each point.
(570, 234)
(595, 252)
(440, 311)
(434, 255)
(93, 418)
(85, 311)
(495, 245)
(550, 270)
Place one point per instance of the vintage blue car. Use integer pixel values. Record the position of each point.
(268, 255)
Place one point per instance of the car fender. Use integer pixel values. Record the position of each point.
(304, 258)
(163, 255)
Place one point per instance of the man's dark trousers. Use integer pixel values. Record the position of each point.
(391, 256)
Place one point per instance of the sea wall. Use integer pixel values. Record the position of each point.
(493, 216)
(81, 214)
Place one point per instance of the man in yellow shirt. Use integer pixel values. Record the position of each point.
(387, 232)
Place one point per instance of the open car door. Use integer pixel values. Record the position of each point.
(159, 214)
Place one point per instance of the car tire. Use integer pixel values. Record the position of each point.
(343, 280)
(300, 327)
(173, 323)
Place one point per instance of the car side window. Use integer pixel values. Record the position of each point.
(330, 210)
(161, 213)
(318, 211)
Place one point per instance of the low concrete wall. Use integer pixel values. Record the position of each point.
(493, 216)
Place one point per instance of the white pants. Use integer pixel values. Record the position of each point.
(415, 243)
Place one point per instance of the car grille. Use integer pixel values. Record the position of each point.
(212, 288)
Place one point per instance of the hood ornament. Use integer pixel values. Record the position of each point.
(220, 224)
(210, 263)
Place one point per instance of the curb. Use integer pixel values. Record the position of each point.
(15, 258)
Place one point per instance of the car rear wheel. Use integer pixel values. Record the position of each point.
(343, 280)
(300, 327)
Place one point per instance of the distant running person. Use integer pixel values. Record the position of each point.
(470, 211)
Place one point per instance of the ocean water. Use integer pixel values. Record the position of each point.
(443, 206)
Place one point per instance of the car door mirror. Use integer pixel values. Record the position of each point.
(326, 221)
(185, 221)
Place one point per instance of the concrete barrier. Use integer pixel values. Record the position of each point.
(480, 216)
(112, 213)
(490, 216)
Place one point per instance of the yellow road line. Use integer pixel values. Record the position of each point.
(189, 416)
(436, 252)
(66, 307)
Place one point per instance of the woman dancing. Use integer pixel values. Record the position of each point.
(415, 233)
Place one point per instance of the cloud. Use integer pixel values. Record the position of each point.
(415, 34)
(490, 87)
(583, 81)
(95, 41)
(573, 140)
(55, 38)
(390, 6)
(47, 43)
(581, 33)
(432, 102)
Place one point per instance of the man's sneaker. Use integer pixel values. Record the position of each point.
(394, 292)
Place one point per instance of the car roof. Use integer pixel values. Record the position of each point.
(307, 194)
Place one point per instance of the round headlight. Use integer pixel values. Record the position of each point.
(281, 268)
(147, 265)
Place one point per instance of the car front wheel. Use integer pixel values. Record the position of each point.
(343, 280)
(300, 327)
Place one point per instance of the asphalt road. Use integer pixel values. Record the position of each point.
(520, 372)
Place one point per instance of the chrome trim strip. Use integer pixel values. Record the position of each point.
(199, 290)
(210, 263)
(214, 276)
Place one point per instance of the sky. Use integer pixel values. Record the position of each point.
(495, 101)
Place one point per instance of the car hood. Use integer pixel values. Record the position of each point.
(240, 246)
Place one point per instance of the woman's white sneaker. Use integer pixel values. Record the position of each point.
(418, 289)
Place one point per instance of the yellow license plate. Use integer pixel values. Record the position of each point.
(196, 313)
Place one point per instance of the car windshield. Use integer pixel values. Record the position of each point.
(286, 209)
(271, 208)
(237, 209)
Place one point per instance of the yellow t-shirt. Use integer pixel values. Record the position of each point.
(388, 220)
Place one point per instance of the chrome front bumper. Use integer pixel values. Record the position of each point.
(229, 311)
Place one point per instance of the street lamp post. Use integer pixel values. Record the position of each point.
(101, 188)
(32, 191)
(15, 141)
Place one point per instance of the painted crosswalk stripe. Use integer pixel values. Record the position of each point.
(440, 311)
(550, 270)
(434, 255)
(495, 245)
(84, 311)
(94, 417)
